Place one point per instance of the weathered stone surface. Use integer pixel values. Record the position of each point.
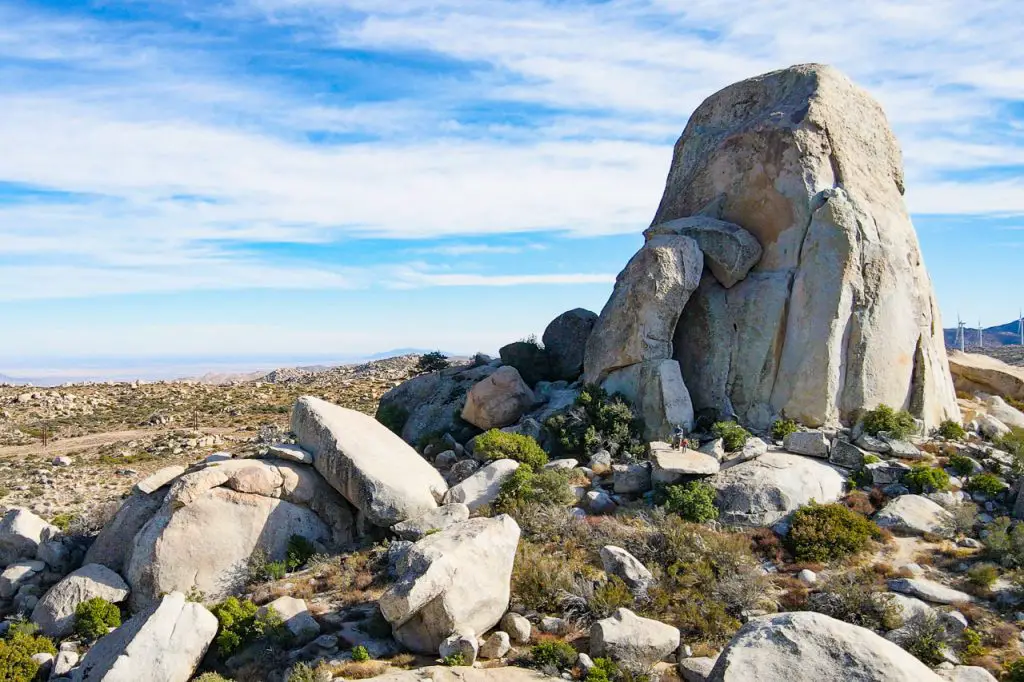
(916, 515)
(1009, 415)
(499, 400)
(484, 486)
(657, 392)
(696, 669)
(55, 612)
(729, 250)
(166, 642)
(639, 320)
(929, 591)
(991, 428)
(846, 454)
(291, 453)
(618, 562)
(811, 443)
(462, 644)
(159, 479)
(631, 479)
(811, 647)
(369, 465)
(565, 340)
(631, 640)
(112, 545)
(764, 490)
(517, 627)
(839, 314)
(296, 617)
(438, 519)
(18, 574)
(21, 532)
(669, 465)
(973, 372)
(456, 580)
(966, 673)
(497, 645)
(884, 473)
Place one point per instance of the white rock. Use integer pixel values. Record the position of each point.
(618, 562)
(55, 612)
(114, 542)
(807, 577)
(916, 515)
(600, 502)
(631, 640)
(991, 428)
(21, 531)
(291, 453)
(18, 574)
(517, 627)
(462, 644)
(812, 443)
(562, 464)
(929, 590)
(483, 487)
(438, 519)
(631, 479)
(966, 673)
(159, 479)
(729, 250)
(657, 392)
(497, 645)
(670, 465)
(296, 617)
(696, 669)
(64, 663)
(369, 465)
(499, 400)
(974, 372)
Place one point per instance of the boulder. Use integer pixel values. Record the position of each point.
(159, 479)
(811, 647)
(21, 532)
(565, 340)
(18, 574)
(55, 612)
(670, 465)
(631, 479)
(291, 453)
(915, 515)
(811, 443)
(375, 470)
(166, 642)
(112, 545)
(483, 487)
(438, 519)
(973, 372)
(886, 473)
(457, 581)
(517, 627)
(764, 490)
(1007, 414)
(929, 591)
(991, 428)
(846, 454)
(529, 359)
(639, 320)
(497, 645)
(838, 315)
(460, 644)
(696, 669)
(499, 400)
(618, 562)
(295, 616)
(632, 641)
(729, 250)
(657, 392)
(966, 673)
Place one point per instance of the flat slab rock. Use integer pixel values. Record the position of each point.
(914, 514)
(929, 591)
(670, 465)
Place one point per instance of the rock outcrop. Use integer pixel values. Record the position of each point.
(21, 533)
(631, 640)
(374, 469)
(973, 372)
(838, 315)
(499, 400)
(915, 515)
(565, 340)
(55, 612)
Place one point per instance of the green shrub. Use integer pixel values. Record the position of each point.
(733, 436)
(16, 651)
(970, 642)
(299, 552)
(871, 459)
(962, 465)
(434, 361)
(855, 597)
(925, 479)
(610, 596)
(241, 624)
(63, 521)
(598, 420)
(360, 653)
(94, 617)
(823, 532)
(1012, 442)
(694, 501)
(926, 639)
(950, 430)
(783, 427)
(1004, 542)
(604, 670)
(497, 444)
(1014, 671)
(214, 677)
(986, 484)
(547, 486)
(393, 416)
(983, 575)
(883, 418)
(556, 654)
(454, 660)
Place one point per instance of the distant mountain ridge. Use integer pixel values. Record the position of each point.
(1000, 335)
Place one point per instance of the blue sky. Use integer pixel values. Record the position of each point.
(335, 177)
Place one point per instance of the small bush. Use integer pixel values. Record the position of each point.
(241, 624)
(211, 677)
(962, 465)
(604, 670)
(435, 361)
(454, 660)
(63, 521)
(829, 531)
(497, 444)
(694, 501)
(16, 651)
(1014, 671)
(393, 416)
(983, 575)
(970, 642)
(299, 552)
(94, 617)
(926, 639)
(883, 418)
(733, 436)
(986, 484)
(548, 486)
(609, 596)
(1004, 542)
(360, 653)
(962, 518)
(859, 502)
(783, 427)
(871, 459)
(950, 430)
(854, 597)
(925, 479)
(557, 654)
(598, 420)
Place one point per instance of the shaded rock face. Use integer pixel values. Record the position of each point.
(839, 314)
(565, 340)
(531, 361)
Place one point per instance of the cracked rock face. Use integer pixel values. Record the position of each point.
(839, 314)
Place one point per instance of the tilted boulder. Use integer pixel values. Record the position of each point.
(565, 340)
(55, 612)
(811, 647)
(631, 640)
(656, 390)
(21, 533)
(484, 486)
(529, 359)
(499, 400)
(838, 315)
(112, 545)
(973, 372)
(374, 469)
(164, 643)
(639, 320)
(729, 250)
(915, 515)
(456, 581)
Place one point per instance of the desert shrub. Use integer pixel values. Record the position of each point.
(822, 532)
(454, 660)
(962, 518)
(609, 596)
(360, 653)
(859, 502)
(63, 521)
(604, 670)
(970, 643)
(693, 501)
(393, 416)
(211, 677)
(434, 361)
(595, 421)
(733, 436)
(986, 484)
(94, 617)
(539, 578)
(547, 486)
(299, 552)
(925, 639)
(1014, 671)
(766, 544)
(925, 479)
(950, 430)
(983, 575)
(1012, 442)
(556, 654)
(497, 444)
(871, 459)
(302, 672)
(1004, 542)
(855, 597)
(241, 624)
(16, 651)
(885, 419)
(782, 428)
(962, 465)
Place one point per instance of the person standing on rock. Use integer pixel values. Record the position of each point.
(678, 437)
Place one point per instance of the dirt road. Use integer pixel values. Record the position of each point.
(93, 440)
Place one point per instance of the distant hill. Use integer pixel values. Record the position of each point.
(4, 379)
(1001, 335)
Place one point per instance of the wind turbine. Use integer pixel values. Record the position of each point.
(961, 333)
(981, 335)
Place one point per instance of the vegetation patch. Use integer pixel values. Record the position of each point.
(783, 427)
(598, 420)
(693, 501)
(94, 617)
(16, 651)
(986, 484)
(556, 654)
(951, 430)
(434, 361)
(925, 479)
(884, 419)
(393, 416)
(733, 436)
(824, 532)
(241, 624)
(496, 444)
